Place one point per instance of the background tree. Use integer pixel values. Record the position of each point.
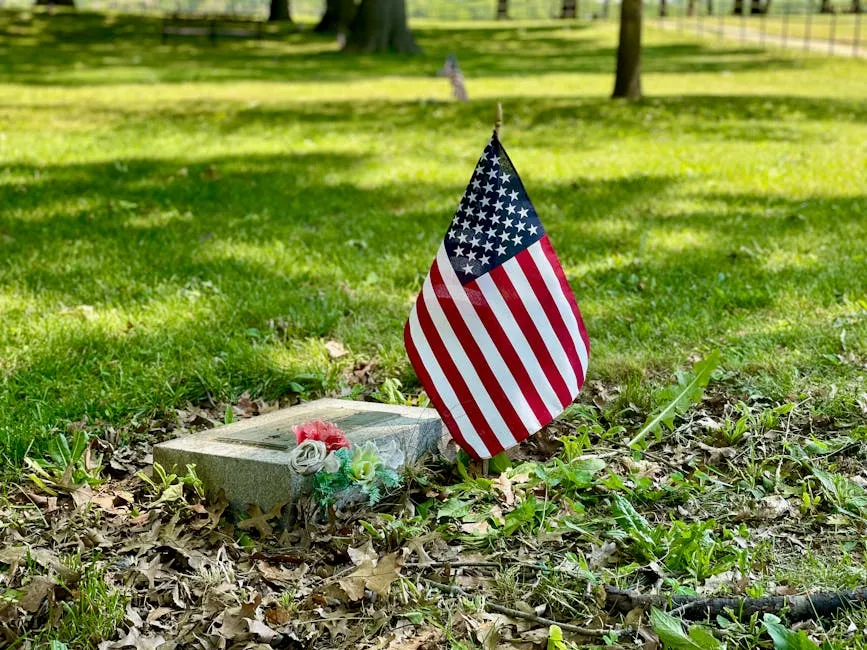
(338, 14)
(279, 11)
(381, 26)
(569, 9)
(502, 9)
(627, 83)
(57, 3)
(663, 8)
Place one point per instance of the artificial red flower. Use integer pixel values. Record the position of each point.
(326, 432)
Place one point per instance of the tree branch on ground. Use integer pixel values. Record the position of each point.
(517, 613)
(796, 608)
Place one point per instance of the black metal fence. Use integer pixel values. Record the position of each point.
(821, 26)
(826, 26)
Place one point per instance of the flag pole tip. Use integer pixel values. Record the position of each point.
(499, 119)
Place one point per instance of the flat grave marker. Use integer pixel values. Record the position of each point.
(249, 459)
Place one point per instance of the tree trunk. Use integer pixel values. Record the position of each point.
(663, 8)
(279, 11)
(338, 14)
(627, 83)
(55, 3)
(857, 7)
(569, 9)
(605, 5)
(381, 26)
(738, 9)
(502, 9)
(826, 8)
(710, 7)
(690, 7)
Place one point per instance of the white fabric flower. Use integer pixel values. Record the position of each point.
(332, 464)
(390, 454)
(308, 457)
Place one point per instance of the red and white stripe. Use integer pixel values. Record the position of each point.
(502, 356)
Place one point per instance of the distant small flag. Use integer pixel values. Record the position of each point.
(453, 72)
(495, 336)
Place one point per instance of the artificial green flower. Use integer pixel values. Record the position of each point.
(365, 460)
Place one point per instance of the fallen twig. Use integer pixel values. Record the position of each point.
(517, 613)
(796, 608)
(475, 564)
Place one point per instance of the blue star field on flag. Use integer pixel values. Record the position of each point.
(495, 220)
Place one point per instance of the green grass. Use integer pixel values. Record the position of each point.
(185, 222)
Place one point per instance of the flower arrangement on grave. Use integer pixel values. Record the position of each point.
(341, 471)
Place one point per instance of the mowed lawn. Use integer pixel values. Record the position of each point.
(187, 222)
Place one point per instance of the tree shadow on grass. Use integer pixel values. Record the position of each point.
(722, 117)
(95, 49)
(99, 229)
(539, 121)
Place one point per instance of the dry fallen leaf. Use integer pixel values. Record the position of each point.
(281, 576)
(416, 546)
(35, 592)
(727, 582)
(488, 635)
(262, 631)
(476, 528)
(600, 556)
(17, 555)
(774, 506)
(232, 624)
(158, 613)
(717, 454)
(336, 349)
(259, 520)
(362, 553)
(427, 639)
(151, 570)
(335, 623)
(82, 496)
(278, 615)
(134, 639)
(376, 577)
(504, 485)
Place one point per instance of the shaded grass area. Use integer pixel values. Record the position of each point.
(188, 222)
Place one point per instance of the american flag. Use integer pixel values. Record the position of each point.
(453, 72)
(495, 336)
